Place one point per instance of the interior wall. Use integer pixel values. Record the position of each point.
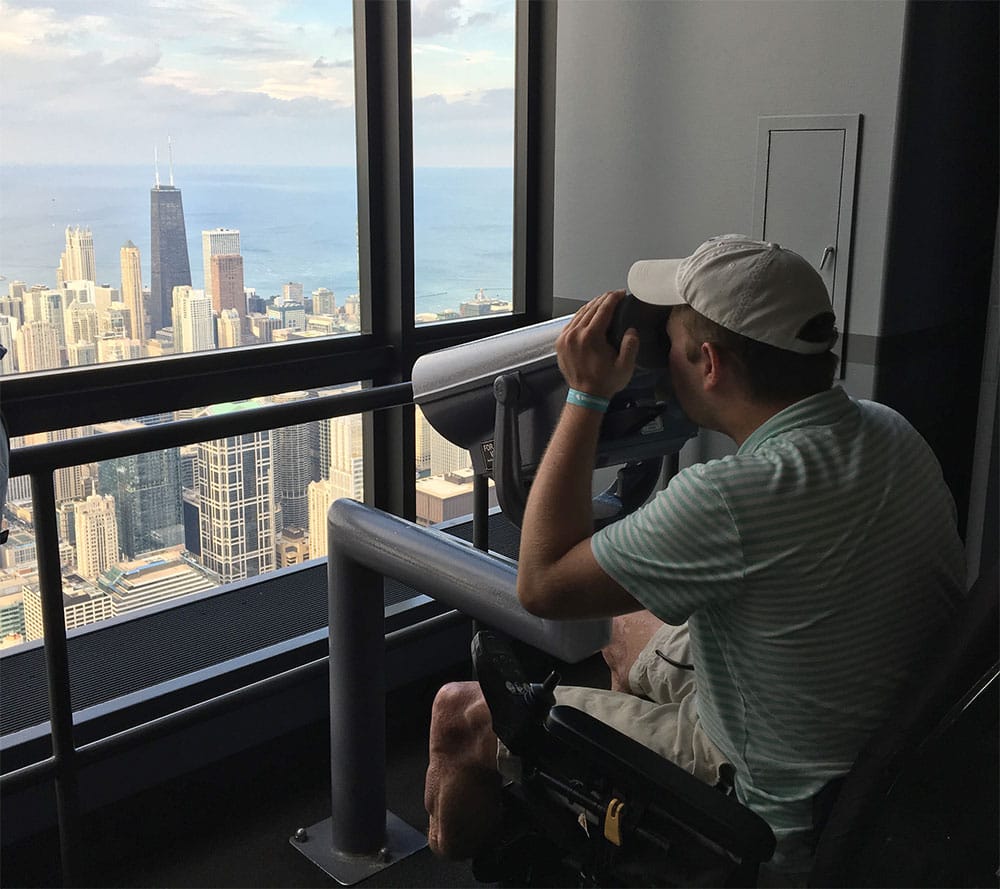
(656, 127)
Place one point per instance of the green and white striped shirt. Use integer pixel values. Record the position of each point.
(812, 566)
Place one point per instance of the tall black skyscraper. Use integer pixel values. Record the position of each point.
(170, 267)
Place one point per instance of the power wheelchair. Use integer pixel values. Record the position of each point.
(594, 808)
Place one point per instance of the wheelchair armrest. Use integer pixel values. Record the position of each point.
(666, 787)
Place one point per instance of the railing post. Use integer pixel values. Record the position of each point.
(57, 670)
(361, 837)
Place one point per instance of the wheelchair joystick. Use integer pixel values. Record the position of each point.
(518, 707)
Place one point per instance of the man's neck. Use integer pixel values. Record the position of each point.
(747, 416)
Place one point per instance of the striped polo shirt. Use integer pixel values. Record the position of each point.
(812, 566)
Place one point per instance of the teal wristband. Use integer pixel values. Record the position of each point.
(583, 399)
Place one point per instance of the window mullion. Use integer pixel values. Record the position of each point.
(385, 229)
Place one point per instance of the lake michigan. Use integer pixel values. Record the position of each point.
(296, 224)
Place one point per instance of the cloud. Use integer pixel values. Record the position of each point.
(433, 17)
(231, 82)
(321, 62)
(475, 129)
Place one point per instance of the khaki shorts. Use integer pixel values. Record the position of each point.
(661, 713)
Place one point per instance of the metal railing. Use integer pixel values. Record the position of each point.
(366, 545)
(39, 463)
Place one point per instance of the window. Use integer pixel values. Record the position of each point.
(201, 192)
(308, 179)
(463, 159)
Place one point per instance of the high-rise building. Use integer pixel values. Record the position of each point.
(78, 262)
(117, 319)
(13, 306)
(132, 292)
(262, 327)
(226, 274)
(447, 457)
(169, 262)
(292, 470)
(111, 347)
(37, 346)
(193, 322)
(81, 606)
(8, 334)
(77, 291)
(159, 577)
(291, 316)
(105, 296)
(321, 494)
(96, 535)
(443, 497)
(81, 323)
(68, 480)
(236, 504)
(291, 293)
(293, 547)
(347, 463)
(229, 329)
(324, 302)
(81, 354)
(147, 492)
(423, 449)
(49, 306)
(213, 243)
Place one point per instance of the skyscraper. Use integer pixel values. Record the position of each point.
(321, 495)
(291, 293)
(292, 471)
(78, 262)
(229, 326)
(346, 453)
(96, 535)
(8, 333)
(226, 273)
(194, 325)
(324, 302)
(81, 323)
(169, 262)
(147, 491)
(131, 267)
(236, 501)
(213, 243)
(37, 346)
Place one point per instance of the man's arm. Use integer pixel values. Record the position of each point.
(558, 576)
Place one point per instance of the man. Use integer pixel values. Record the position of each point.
(800, 577)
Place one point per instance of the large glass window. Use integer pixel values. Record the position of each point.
(143, 529)
(463, 153)
(174, 178)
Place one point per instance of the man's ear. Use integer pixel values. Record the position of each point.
(713, 366)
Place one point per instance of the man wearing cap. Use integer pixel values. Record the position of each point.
(772, 600)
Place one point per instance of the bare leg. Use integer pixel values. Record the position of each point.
(629, 635)
(462, 790)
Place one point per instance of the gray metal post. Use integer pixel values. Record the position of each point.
(365, 545)
(357, 711)
(57, 671)
(360, 837)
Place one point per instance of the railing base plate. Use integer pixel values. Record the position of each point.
(316, 844)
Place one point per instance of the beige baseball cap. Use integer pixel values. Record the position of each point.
(755, 288)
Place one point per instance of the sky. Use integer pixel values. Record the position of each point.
(241, 82)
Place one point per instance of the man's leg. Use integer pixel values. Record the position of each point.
(630, 633)
(462, 791)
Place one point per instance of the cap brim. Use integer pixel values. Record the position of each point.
(654, 281)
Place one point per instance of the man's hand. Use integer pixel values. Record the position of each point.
(587, 360)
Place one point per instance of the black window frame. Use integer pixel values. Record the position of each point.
(383, 354)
